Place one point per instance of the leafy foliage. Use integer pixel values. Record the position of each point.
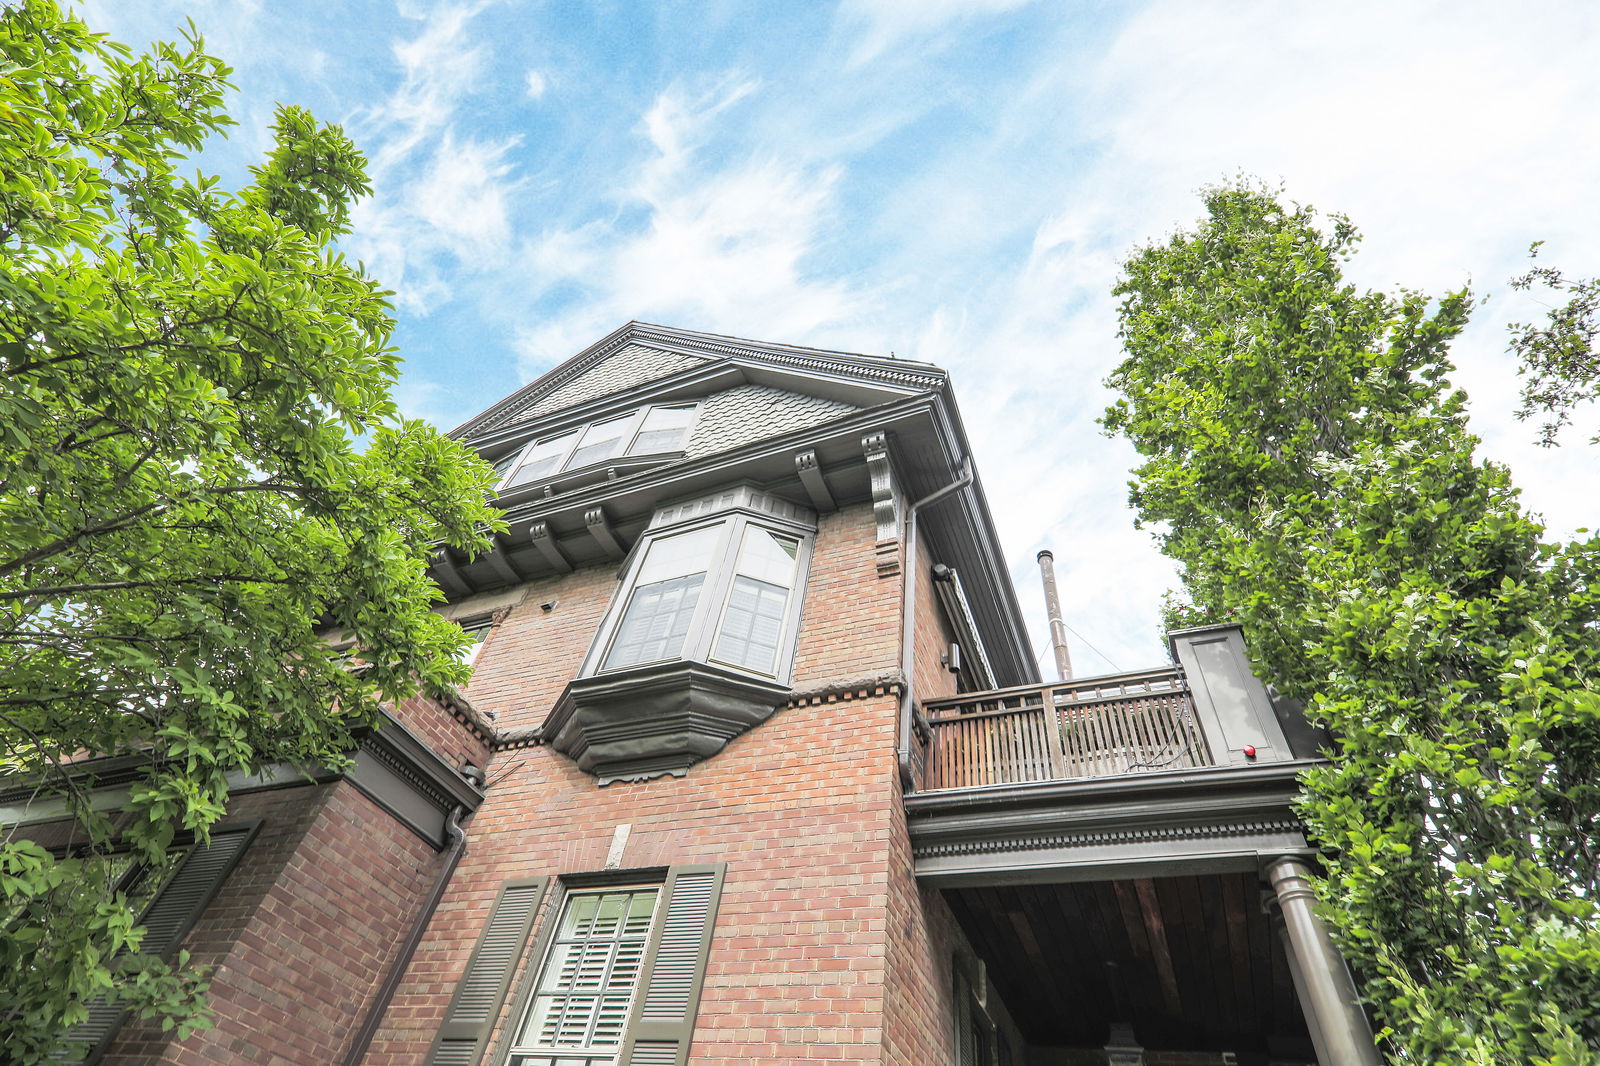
(1310, 466)
(201, 470)
(1560, 358)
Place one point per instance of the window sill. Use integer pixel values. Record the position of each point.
(644, 722)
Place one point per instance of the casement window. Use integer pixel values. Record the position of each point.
(660, 430)
(614, 979)
(170, 895)
(719, 587)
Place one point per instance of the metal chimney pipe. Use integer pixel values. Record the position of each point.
(1052, 604)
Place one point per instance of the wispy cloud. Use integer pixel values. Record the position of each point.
(442, 208)
(723, 242)
(884, 24)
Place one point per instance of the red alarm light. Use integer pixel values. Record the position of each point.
(1249, 751)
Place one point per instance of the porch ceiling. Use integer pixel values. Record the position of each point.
(1190, 961)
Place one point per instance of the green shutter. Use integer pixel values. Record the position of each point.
(662, 1021)
(482, 991)
(170, 915)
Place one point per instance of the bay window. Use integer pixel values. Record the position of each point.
(699, 642)
(718, 589)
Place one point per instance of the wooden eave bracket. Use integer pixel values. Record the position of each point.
(545, 541)
(812, 480)
(500, 561)
(600, 529)
(885, 504)
(445, 570)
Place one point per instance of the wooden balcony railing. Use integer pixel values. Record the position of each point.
(1098, 727)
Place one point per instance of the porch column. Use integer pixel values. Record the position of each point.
(1327, 993)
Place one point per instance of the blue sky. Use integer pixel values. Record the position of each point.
(950, 180)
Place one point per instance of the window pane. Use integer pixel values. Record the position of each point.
(686, 553)
(656, 622)
(752, 625)
(600, 441)
(664, 430)
(541, 460)
(588, 978)
(662, 605)
(768, 557)
(758, 601)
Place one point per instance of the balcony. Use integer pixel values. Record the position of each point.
(1099, 727)
(1184, 768)
(1105, 845)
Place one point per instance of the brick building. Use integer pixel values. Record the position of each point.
(756, 767)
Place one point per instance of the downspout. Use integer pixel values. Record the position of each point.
(397, 970)
(908, 611)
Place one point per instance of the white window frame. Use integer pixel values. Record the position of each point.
(628, 437)
(732, 513)
(599, 1056)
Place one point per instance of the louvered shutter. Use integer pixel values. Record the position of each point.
(482, 991)
(662, 1020)
(170, 915)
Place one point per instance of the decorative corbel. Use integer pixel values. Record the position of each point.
(885, 503)
(444, 570)
(500, 561)
(600, 529)
(810, 471)
(546, 543)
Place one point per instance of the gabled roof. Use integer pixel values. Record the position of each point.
(794, 420)
(641, 352)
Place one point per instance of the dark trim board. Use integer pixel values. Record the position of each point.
(1212, 820)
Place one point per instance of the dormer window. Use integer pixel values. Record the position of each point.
(659, 430)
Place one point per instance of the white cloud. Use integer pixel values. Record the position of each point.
(439, 66)
(723, 247)
(883, 24)
(442, 209)
(536, 84)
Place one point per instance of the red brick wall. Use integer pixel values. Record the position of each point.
(302, 932)
(529, 657)
(849, 625)
(810, 956)
(801, 809)
(452, 739)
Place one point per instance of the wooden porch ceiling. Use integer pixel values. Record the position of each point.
(1191, 962)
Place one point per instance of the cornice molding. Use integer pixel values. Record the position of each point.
(1170, 820)
(846, 689)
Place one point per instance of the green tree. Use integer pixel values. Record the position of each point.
(1308, 464)
(201, 473)
(1560, 358)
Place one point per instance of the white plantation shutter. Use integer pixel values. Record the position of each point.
(591, 970)
(662, 1021)
(478, 998)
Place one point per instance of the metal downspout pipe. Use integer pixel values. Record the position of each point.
(397, 969)
(908, 611)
